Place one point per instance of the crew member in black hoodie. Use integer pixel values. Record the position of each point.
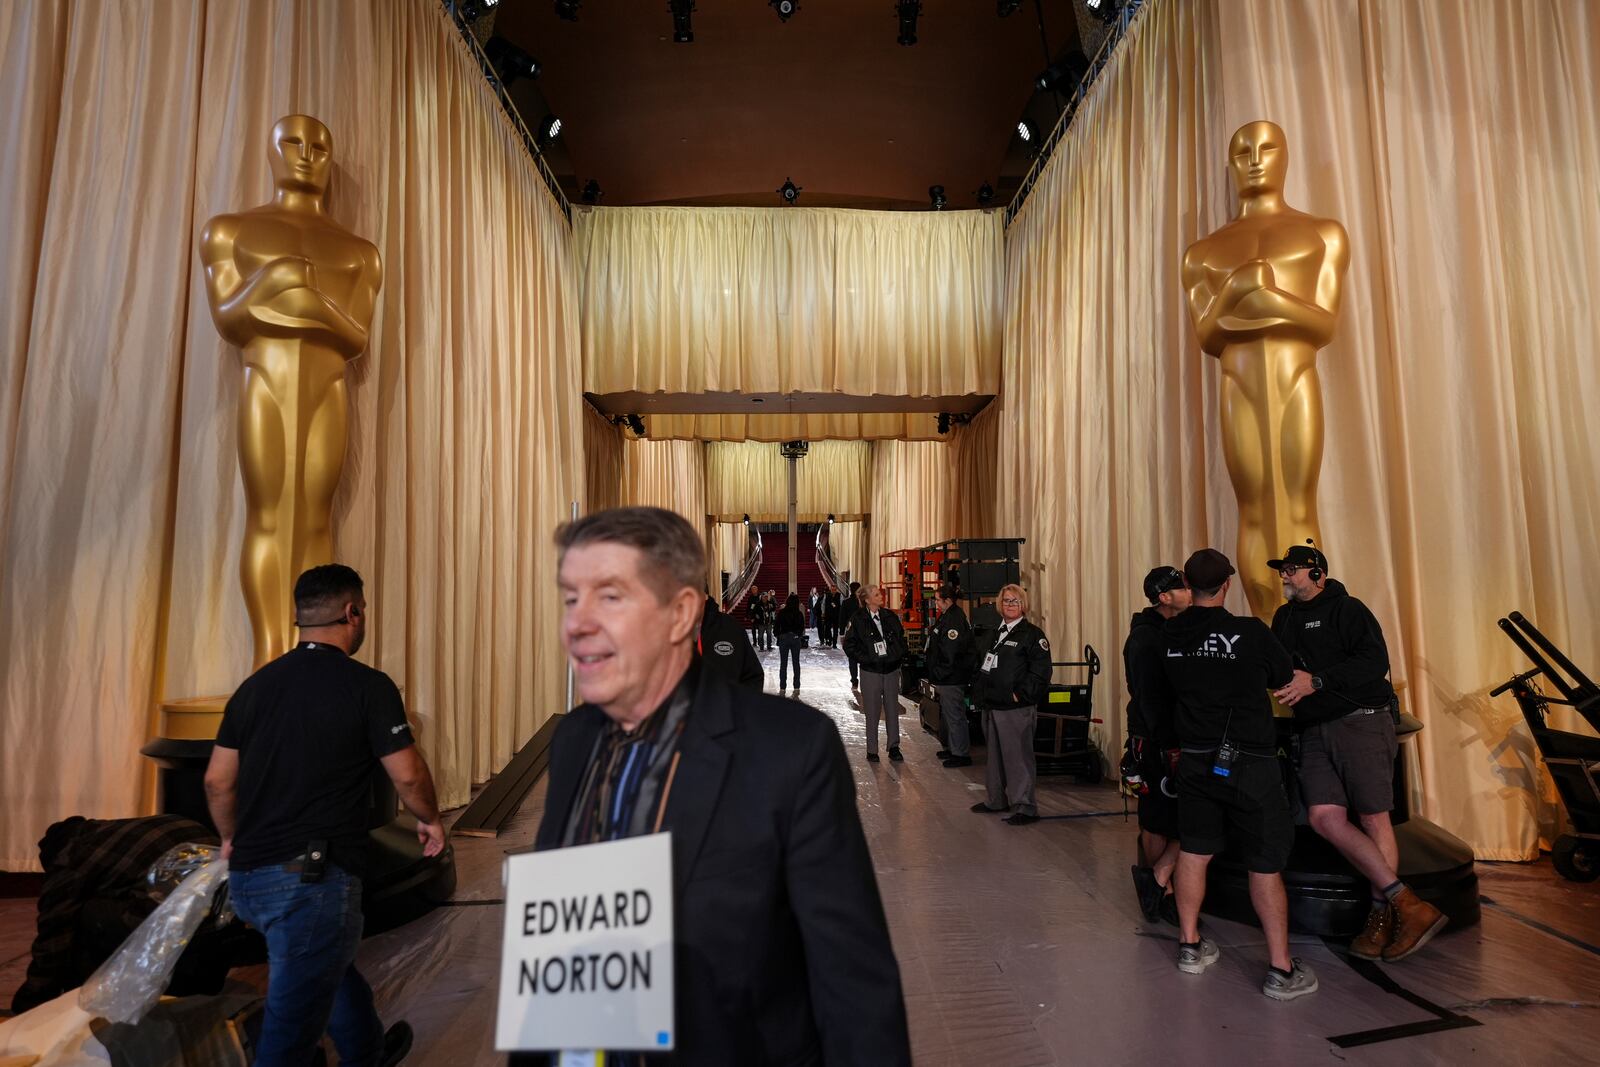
(1213, 676)
(1012, 678)
(950, 657)
(1341, 698)
(791, 629)
(726, 651)
(876, 640)
(1147, 757)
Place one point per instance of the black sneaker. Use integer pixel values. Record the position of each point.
(983, 809)
(1149, 891)
(872, 757)
(894, 754)
(958, 761)
(396, 1044)
(1020, 819)
(943, 753)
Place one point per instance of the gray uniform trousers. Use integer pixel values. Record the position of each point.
(1009, 765)
(880, 698)
(953, 713)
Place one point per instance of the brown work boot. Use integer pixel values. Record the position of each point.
(1415, 921)
(1379, 931)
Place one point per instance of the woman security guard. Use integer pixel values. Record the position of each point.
(1011, 680)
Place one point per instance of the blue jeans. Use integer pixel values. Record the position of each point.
(312, 931)
(788, 648)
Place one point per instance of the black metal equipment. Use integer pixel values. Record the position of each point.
(1572, 759)
(1061, 743)
(978, 568)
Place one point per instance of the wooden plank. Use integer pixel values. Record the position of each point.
(498, 802)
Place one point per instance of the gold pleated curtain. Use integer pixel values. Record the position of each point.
(759, 300)
(848, 543)
(873, 426)
(602, 459)
(913, 502)
(666, 474)
(752, 479)
(1456, 142)
(127, 125)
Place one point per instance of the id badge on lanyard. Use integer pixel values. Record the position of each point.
(990, 661)
(880, 648)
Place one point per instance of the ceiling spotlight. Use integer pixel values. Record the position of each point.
(936, 197)
(473, 10)
(746, 519)
(568, 9)
(907, 11)
(830, 520)
(682, 27)
(985, 194)
(636, 424)
(1064, 73)
(591, 192)
(1105, 9)
(789, 191)
(1005, 8)
(509, 61)
(549, 129)
(784, 8)
(1026, 133)
(944, 422)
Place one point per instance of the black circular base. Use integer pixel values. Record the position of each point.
(1328, 898)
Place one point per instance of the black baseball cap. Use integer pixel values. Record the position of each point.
(1301, 556)
(1207, 569)
(1161, 580)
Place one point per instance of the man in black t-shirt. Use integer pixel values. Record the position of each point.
(290, 788)
(1341, 698)
(1209, 686)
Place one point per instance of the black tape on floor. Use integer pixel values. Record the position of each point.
(1443, 1018)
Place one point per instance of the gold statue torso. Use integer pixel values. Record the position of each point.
(1264, 295)
(296, 292)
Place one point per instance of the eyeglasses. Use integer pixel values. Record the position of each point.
(1012, 602)
(1288, 572)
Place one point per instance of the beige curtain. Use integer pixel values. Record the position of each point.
(758, 300)
(666, 474)
(848, 543)
(914, 502)
(602, 459)
(1456, 143)
(127, 126)
(912, 426)
(753, 479)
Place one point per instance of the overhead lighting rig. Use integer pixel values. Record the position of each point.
(549, 130)
(682, 21)
(789, 191)
(568, 9)
(632, 422)
(907, 11)
(509, 61)
(784, 8)
(985, 194)
(937, 198)
(794, 449)
(592, 192)
(948, 419)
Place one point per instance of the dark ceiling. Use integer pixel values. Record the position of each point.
(828, 98)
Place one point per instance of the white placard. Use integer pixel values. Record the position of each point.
(586, 960)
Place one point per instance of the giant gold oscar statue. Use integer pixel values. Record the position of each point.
(1264, 296)
(296, 292)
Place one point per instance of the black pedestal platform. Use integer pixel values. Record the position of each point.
(401, 883)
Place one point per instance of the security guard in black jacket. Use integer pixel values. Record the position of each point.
(1212, 678)
(876, 640)
(1012, 679)
(951, 656)
(1342, 703)
(725, 649)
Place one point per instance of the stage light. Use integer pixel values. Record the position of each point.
(1026, 133)
(591, 192)
(549, 129)
(473, 10)
(936, 197)
(1105, 10)
(1006, 8)
(830, 520)
(747, 519)
(908, 10)
(985, 194)
(635, 423)
(568, 9)
(944, 422)
(789, 191)
(1064, 73)
(784, 8)
(509, 61)
(682, 26)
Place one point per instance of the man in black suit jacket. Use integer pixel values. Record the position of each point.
(782, 950)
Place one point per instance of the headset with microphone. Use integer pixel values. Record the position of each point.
(1319, 565)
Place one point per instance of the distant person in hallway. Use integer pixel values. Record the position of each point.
(814, 612)
(782, 950)
(791, 628)
(1152, 750)
(952, 656)
(725, 649)
(1013, 676)
(850, 603)
(876, 640)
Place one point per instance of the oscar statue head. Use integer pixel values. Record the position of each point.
(1258, 156)
(302, 155)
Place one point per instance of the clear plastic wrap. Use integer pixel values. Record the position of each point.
(129, 983)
